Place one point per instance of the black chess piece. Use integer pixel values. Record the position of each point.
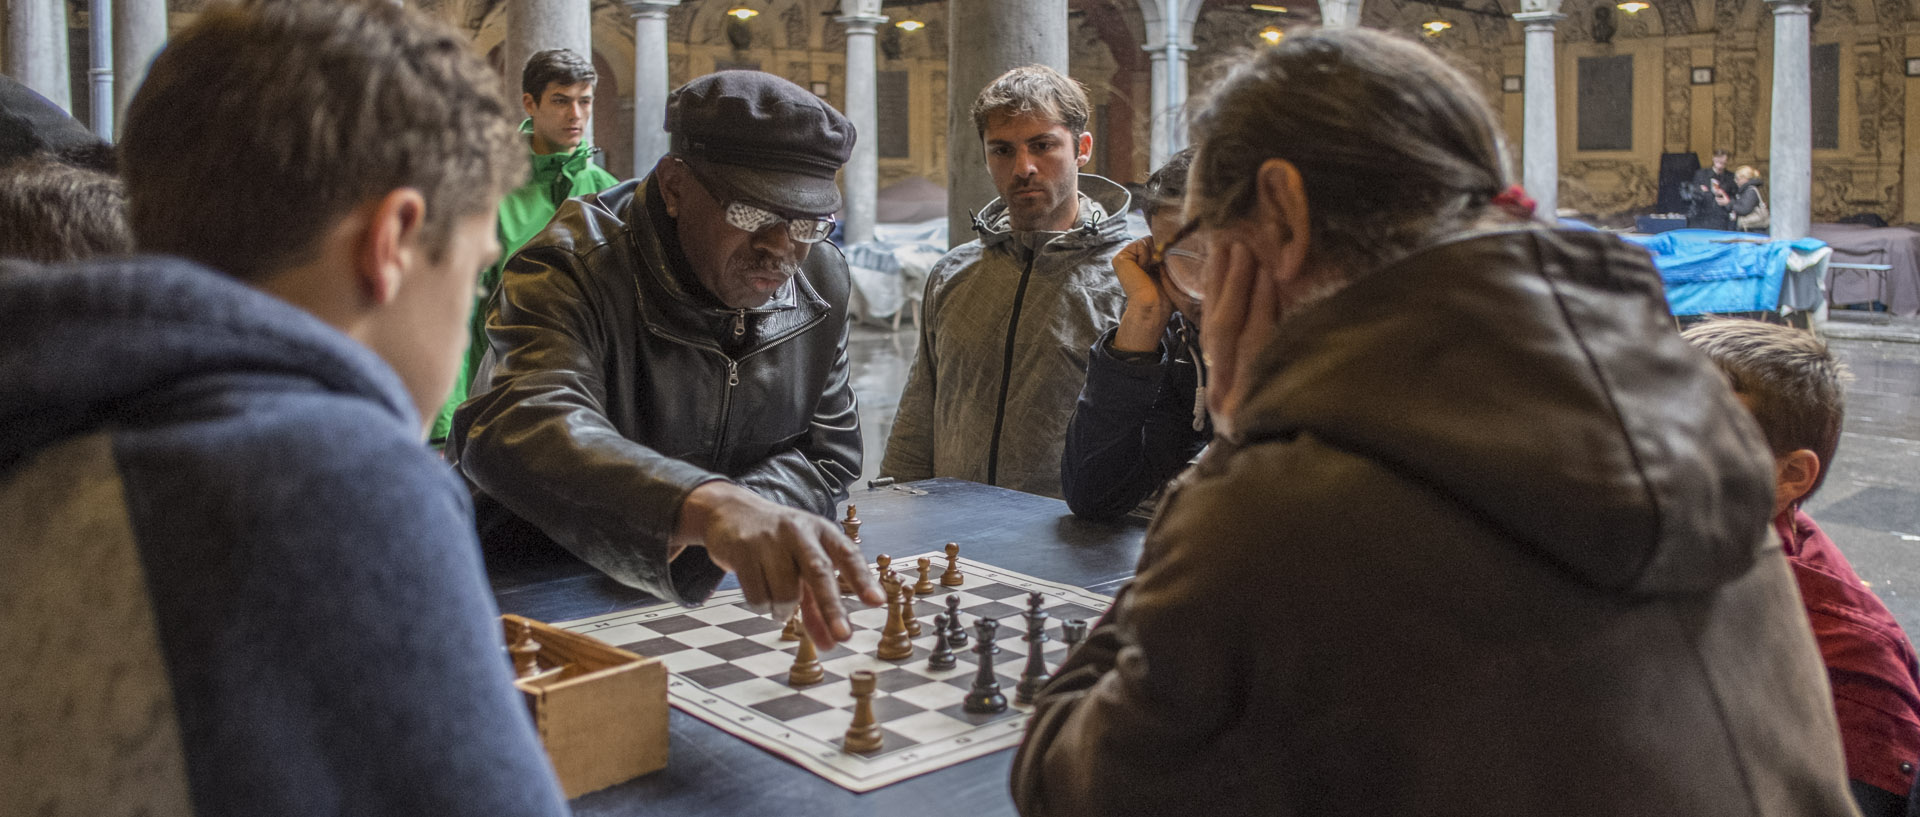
(1073, 631)
(1034, 600)
(985, 698)
(1035, 675)
(956, 632)
(942, 656)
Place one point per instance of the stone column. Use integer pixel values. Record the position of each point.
(537, 25)
(1790, 149)
(139, 32)
(1340, 13)
(1540, 138)
(997, 35)
(861, 183)
(650, 82)
(1169, 101)
(37, 49)
(100, 68)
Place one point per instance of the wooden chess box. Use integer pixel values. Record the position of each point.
(601, 711)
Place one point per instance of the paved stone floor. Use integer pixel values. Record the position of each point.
(1870, 503)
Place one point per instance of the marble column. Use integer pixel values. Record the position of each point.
(1340, 13)
(37, 49)
(861, 182)
(537, 25)
(139, 32)
(997, 35)
(100, 68)
(1540, 136)
(1790, 147)
(650, 81)
(1168, 100)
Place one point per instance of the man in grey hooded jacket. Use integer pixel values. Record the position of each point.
(1010, 316)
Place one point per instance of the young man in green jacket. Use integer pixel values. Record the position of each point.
(557, 93)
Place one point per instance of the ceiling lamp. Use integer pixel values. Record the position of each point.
(1272, 34)
(1434, 27)
(742, 14)
(1266, 7)
(1633, 6)
(910, 25)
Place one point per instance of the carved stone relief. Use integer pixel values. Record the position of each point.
(1678, 119)
(1745, 79)
(677, 71)
(1607, 187)
(1676, 18)
(795, 19)
(1866, 89)
(680, 23)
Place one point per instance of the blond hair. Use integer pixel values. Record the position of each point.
(1791, 381)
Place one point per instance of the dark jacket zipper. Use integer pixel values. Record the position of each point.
(1006, 372)
(733, 365)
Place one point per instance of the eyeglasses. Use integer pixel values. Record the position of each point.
(753, 219)
(1180, 266)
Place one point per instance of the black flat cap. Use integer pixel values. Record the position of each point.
(761, 139)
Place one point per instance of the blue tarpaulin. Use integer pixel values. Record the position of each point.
(1710, 271)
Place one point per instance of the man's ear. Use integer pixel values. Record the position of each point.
(528, 103)
(1793, 476)
(1280, 201)
(1083, 148)
(672, 178)
(389, 245)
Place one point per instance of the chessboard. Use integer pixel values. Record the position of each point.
(728, 666)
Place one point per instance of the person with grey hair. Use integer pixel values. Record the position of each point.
(1478, 534)
(53, 211)
(1011, 314)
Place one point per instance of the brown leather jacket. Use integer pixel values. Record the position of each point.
(1493, 542)
(612, 388)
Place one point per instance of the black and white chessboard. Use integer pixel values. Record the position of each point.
(727, 666)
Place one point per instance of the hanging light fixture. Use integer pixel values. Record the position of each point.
(1267, 7)
(1633, 6)
(742, 14)
(910, 26)
(1434, 27)
(1273, 35)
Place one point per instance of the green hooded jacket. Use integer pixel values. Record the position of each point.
(523, 214)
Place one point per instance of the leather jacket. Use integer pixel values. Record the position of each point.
(615, 384)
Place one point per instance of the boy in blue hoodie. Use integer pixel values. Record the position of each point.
(235, 581)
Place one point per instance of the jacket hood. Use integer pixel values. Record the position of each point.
(128, 341)
(1535, 377)
(1105, 200)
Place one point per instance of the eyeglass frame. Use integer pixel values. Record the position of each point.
(1156, 266)
(753, 218)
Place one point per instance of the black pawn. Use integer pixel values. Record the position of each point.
(956, 632)
(942, 657)
(1035, 675)
(985, 698)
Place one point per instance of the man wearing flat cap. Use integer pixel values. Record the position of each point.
(665, 391)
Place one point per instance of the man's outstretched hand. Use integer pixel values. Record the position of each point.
(784, 557)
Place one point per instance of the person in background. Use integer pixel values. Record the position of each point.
(1706, 209)
(1141, 416)
(1011, 314)
(236, 581)
(556, 91)
(1749, 209)
(1794, 387)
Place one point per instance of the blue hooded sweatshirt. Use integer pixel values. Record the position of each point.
(234, 582)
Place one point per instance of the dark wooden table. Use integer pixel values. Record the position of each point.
(714, 773)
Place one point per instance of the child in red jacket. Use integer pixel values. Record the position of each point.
(1792, 384)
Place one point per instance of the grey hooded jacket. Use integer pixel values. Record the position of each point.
(1003, 350)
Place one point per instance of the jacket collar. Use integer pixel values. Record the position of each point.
(1103, 219)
